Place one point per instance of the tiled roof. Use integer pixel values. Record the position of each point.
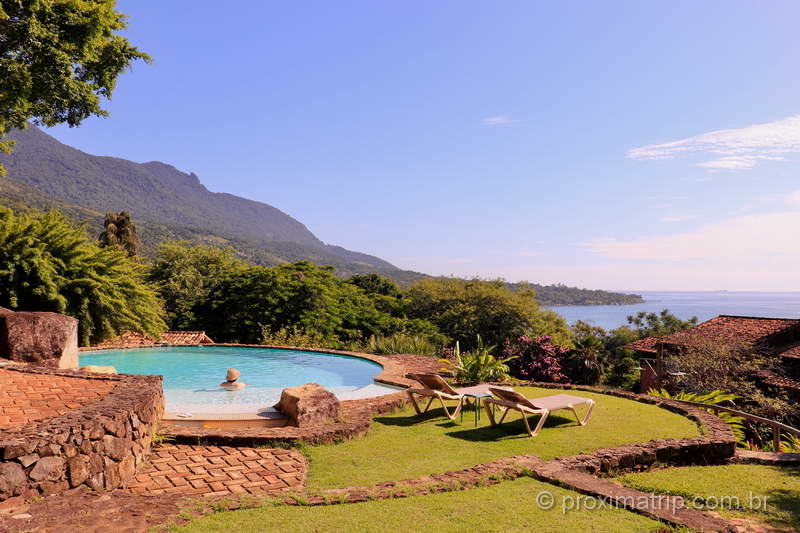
(648, 344)
(792, 351)
(778, 381)
(129, 339)
(186, 337)
(132, 339)
(724, 329)
(732, 330)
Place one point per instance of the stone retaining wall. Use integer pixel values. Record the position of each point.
(99, 444)
(716, 445)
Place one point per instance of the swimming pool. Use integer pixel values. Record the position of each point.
(192, 374)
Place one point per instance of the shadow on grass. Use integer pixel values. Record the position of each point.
(514, 428)
(466, 430)
(787, 505)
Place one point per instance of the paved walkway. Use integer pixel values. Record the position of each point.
(27, 397)
(220, 471)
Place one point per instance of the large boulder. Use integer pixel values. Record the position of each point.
(48, 339)
(309, 405)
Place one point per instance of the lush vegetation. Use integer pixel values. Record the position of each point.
(478, 365)
(509, 506)
(711, 366)
(307, 305)
(300, 304)
(403, 445)
(46, 264)
(535, 358)
(57, 61)
(462, 309)
(732, 490)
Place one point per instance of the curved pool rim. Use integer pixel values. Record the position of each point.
(392, 377)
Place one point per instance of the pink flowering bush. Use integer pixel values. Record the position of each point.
(536, 359)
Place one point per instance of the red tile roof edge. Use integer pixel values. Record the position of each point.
(770, 378)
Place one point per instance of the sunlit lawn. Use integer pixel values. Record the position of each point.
(508, 506)
(402, 445)
(746, 485)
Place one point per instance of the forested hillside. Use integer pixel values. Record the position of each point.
(168, 204)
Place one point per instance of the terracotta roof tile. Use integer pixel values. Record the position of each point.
(725, 329)
(792, 351)
(736, 330)
(778, 381)
(648, 344)
(186, 337)
(132, 339)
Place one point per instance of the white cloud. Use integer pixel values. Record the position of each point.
(740, 147)
(500, 120)
(762, 238)
(678, 218)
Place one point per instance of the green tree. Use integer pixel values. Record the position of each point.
(375, 284)
(588, 360)
(47, 264)
(659, 324)
(302, 296)
(462, 309)
(185, 275)
(120, 232)
(58, 59)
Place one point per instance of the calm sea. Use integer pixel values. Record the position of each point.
(703, 305)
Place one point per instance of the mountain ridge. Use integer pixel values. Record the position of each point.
(167, 203)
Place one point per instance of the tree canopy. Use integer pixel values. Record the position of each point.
(58, 59)
(47, 264)
(185, 276)
(462, 309)
(302, 296)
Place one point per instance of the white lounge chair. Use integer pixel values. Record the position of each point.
(508, 400)
(434, 387)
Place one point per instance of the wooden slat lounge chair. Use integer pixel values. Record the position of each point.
(433, 387)
(512, 400)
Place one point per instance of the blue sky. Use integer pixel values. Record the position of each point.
(574, 142)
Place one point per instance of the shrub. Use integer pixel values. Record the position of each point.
(299, 339)
(47, 264)
(715, 397)
(536, 359)
(477, 365)
(400, 343)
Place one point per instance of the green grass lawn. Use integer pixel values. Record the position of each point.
(780, 485)
(402, 445)
(508, 506)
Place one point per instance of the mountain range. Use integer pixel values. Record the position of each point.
(167, 203)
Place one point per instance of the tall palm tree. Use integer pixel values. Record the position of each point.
(120, 232)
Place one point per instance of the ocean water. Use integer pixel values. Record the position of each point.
(192, 374)
(684, 305)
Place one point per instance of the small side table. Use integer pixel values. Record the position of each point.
(477, 392)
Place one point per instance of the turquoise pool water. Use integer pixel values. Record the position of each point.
(192, 374)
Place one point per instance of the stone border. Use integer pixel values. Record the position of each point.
(716, 444)
(98, 445)
(669, 509)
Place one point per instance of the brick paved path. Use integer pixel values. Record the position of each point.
(26, 397)
(220, 471)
